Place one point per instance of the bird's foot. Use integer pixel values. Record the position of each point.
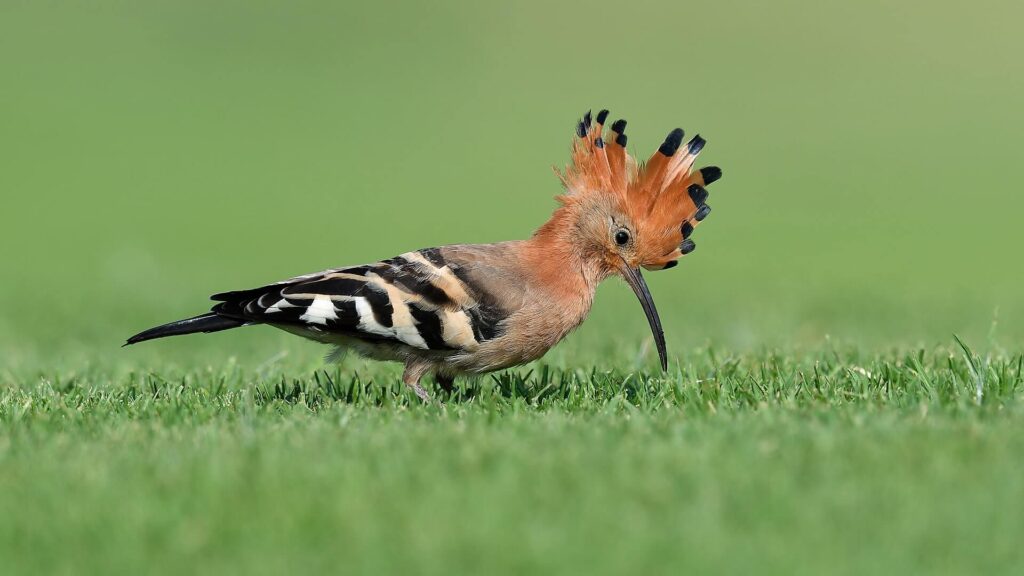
(421, 392)
(412, 375)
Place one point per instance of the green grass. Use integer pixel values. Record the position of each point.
(830, 461)
(819, 415)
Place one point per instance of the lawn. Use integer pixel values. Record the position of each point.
(829, 461)
(845, 388)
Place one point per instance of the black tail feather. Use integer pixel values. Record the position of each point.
(203, 323)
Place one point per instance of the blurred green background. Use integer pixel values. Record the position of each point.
(817, 417)
(156, 152)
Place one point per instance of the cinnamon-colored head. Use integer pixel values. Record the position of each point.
(623, 216)
(642, 213)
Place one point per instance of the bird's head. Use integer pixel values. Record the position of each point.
(626, 216)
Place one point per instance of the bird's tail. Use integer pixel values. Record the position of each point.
(209, 322)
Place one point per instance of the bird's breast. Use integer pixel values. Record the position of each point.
(529, 332)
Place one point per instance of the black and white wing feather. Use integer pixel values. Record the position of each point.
(416, 299)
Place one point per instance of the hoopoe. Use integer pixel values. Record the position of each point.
(475, 308)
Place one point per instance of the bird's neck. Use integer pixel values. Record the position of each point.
(560, 262)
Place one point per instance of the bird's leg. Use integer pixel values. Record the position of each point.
(446, 382)
(413, 374)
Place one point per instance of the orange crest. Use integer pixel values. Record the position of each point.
(664, 198)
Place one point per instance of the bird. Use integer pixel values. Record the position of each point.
(469, 309)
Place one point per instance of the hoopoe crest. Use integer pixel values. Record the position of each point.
(474, 308)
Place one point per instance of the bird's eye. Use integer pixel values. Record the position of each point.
(621, 237)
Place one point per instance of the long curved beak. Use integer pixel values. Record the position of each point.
(636, 282)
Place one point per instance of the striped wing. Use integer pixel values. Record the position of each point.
(416, 299)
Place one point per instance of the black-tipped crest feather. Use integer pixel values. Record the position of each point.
(710, 174)
(698, 194)
(687, 229)
(672, 142)
(696, 144)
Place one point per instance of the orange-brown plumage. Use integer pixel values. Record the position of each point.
(475, 308)
(655, 196)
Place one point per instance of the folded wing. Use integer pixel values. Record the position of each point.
(417, 299)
